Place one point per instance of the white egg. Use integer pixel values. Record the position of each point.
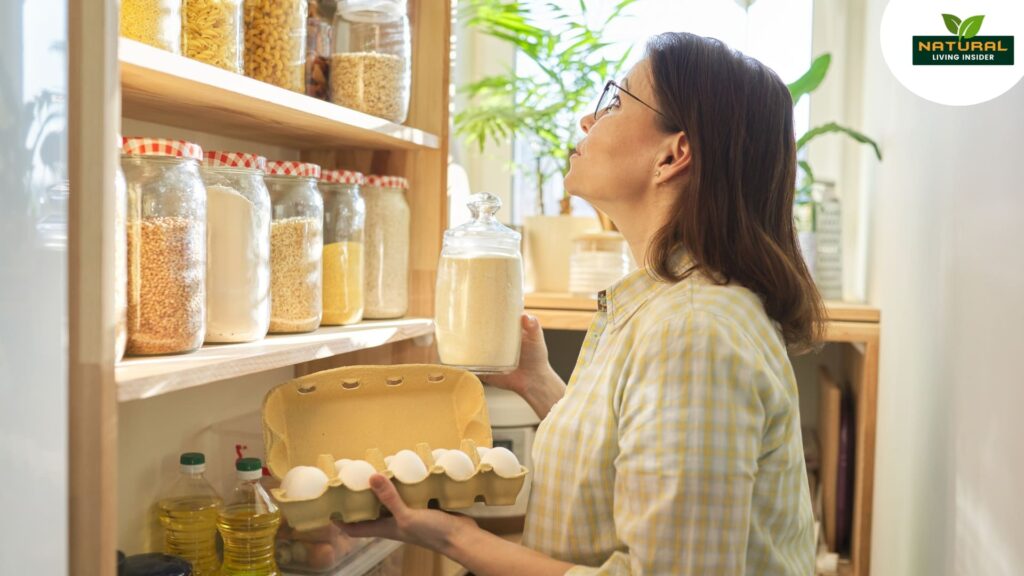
(304, 483)
(437, 453)
(481, 450)
(457, 465)
(503, 461)
(339, 464)
(407, 467)
(388, 459)
(356, 475)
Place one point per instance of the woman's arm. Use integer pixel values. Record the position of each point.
(534, 380)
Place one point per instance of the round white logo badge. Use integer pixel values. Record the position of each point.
(954, 53)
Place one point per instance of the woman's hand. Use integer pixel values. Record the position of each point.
(534, 380)
(432, 529)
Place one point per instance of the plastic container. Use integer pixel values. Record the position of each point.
(155, 564)
(365, 412)
(247, 523)
(479, 298)
(120, 261)
(598, 260)
(238, 247)
(296, 246)
(319, 40)
(372, 58)
(344, 222)
(275, 42)
(212, 32)
(166, 245)
(153, 22)
(188, 514)
(314, 551)
(386, 286)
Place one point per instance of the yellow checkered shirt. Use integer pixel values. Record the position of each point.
(676, 448)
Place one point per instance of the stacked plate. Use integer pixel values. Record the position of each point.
(599, 259)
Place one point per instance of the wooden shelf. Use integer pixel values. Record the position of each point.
(157, 86)
(149, 376)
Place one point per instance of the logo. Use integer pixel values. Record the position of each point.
(965, 47)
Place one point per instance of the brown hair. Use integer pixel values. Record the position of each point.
(735, 215)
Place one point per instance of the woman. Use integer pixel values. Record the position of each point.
(676, 447)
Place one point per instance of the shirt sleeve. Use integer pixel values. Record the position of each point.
(690, 422)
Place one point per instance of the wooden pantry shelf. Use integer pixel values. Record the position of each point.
(149, 376)
(157, 86)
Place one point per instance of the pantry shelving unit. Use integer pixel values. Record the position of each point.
(115, 409)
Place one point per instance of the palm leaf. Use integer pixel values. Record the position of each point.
(832, 127)
(811, 79)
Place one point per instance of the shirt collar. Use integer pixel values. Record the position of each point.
(625, 297)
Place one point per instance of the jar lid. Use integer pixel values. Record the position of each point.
(341, 177)
(483, 234)
(382, 181)
(134, 145)
(292, 168)
(235, 160)
(371, 11)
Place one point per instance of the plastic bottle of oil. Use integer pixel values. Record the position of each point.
(188, 514)
(248, 523)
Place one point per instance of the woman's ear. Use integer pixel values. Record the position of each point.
(675, 159)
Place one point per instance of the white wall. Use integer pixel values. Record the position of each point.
(945, 266)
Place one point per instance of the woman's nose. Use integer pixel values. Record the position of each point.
(586, 122)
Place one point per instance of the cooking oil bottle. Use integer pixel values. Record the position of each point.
(248, 523)
(188, 514)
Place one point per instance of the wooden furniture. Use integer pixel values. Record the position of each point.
(852, 346)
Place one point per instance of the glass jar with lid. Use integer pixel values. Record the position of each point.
(296, 245)
(238, 247)
(275, 42)
(371, 64)
(386, 284)
(153, 22)
(213, 33)
(166, 228)
(319, 43)
(344, 219)
(120, 260)
(479, 297)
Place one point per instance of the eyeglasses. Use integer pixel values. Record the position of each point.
(610, 97)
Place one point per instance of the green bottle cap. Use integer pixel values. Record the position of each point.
(248, 465)
(192, 459)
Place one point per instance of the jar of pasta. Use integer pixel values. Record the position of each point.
(275, 42)
(166, 229)
(344, 218)
(386, 285)
(296, 246)
(153, 22)
(212, 33)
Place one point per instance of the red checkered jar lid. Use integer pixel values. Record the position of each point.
(341, 177)
(220, 159)
(292, 168)
(162, 147)
(386, 181)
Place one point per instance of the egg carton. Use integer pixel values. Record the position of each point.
(363, 412)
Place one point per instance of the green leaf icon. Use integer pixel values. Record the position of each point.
(970, 27)
(952, 23)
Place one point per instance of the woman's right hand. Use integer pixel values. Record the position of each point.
(534, 366)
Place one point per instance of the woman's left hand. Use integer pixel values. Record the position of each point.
(432, 529)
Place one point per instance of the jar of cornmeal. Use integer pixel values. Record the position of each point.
(479, 297)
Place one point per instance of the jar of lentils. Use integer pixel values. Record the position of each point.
(275, 42)
(296, 246)
(386, 285)
(344, 219)
(153, 22)
(166, 229)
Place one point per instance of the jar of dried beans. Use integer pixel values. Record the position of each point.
(154, 22)
(275, 42)
(238, 247)
(386, 285)
(344, 218)
(166, 228)
(370, 67)
(212, 33)
(296, 245)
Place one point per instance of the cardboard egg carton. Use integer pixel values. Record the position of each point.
(365, 412)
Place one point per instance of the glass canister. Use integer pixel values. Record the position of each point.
(120, 260)
(237, 247)
(371, 64)
(212, 33)
(319, 38)
(344, 221)
(296, 245)
(386, 285)
(153, 22)
(479, 298)
(275, 42)
(166, 228)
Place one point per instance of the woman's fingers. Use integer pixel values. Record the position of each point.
(380, 528)
(388, 495)
(383, 527)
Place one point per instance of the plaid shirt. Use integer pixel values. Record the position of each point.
(676, 448)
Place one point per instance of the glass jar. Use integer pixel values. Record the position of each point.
(479, 298)
(344, 219)
(319, 39)
(212, 33)
(120, 261)
(237, 247)
(598, 260)
(153, 22)
(275, 42)
(386, 283)
(166, 245)
(296, 245)
(371, 64)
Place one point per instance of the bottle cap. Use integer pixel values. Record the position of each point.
(192, 462)
(249, 468)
